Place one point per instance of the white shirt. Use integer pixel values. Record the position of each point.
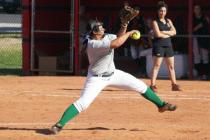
(100, 55)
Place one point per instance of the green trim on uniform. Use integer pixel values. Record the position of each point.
(69, 114)
(151, 96)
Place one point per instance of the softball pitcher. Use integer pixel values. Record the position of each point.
(102, 73)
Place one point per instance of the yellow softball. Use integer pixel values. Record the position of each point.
(136, 35)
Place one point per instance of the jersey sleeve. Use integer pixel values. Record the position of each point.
(104, 43)
(112, 36)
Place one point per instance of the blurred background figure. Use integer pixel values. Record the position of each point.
(142, 47)
(83, 29)
(137, 46)
(201, 44)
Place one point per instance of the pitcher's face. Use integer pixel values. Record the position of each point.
(101, 30)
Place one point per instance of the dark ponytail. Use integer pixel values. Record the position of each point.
(162, 4)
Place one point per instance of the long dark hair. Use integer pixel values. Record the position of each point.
(162, 4)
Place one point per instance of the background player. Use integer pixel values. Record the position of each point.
(201, 45)
(102, 73)
(162, 47)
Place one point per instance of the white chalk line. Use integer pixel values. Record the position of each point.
(37, 124)
(117, 94)
(68, 91)
(49, 124)
(25, 124)
(111, 95)
(129, 97)
(106, 90)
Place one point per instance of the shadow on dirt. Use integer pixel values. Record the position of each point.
(47, 131)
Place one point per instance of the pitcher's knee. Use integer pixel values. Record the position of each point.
(81, 105)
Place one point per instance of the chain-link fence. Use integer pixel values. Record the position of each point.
(10, 44)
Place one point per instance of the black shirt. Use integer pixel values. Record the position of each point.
(162, 41)
(204, 29)
(203, 42)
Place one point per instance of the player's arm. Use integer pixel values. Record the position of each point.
(198, 26)
(121, 39)
(172, 31)
(157, 31)
(205, 22)
(122, 30)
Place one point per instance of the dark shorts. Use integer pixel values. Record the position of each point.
(162, 51)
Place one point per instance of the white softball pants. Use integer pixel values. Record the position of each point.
(94, 85)
(139, 51)
(135, 51)
(199, 53)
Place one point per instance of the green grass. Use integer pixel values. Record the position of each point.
(10, 55)
(10, 35)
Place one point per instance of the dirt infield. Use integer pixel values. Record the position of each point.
(30, 105)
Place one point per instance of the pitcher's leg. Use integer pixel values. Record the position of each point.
(124, 80)
(127, 81)
(68, 114)
(92, 88)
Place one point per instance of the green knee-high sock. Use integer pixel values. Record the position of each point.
(151, 96)
(69, 114)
